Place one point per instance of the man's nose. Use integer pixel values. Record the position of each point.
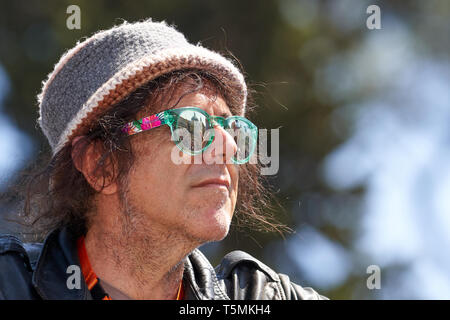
(222, 148)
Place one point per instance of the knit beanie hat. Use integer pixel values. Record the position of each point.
(103, 69)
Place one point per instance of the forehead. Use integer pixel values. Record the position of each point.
(214, 105)
(205, 98)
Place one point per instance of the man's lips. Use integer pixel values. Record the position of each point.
(213, 182)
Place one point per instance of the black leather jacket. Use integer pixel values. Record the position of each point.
(38, 271)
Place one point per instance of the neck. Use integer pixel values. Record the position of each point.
(143, 263)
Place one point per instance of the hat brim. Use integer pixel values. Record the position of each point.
(141, 71)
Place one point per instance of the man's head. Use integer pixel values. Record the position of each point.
(95, 167)
(194, 199)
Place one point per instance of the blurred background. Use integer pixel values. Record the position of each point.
(364, 176)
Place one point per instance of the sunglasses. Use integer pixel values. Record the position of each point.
(193, 130)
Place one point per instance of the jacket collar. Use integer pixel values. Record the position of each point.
(200, 279)
(60, 251)
(50, 276)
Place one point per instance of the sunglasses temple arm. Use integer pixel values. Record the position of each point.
(147, 123)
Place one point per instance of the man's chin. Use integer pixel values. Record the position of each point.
(214, 227)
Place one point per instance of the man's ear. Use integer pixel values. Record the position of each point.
(85, 157)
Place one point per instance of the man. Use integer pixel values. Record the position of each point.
(128, 200)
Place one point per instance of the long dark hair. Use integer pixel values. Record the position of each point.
(58, 194)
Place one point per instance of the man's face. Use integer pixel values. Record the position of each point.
(167, 196)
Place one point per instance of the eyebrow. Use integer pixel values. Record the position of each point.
(226, 115)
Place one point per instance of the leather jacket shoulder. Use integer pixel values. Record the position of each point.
(40, 271)
(248, 278)
(17, 261)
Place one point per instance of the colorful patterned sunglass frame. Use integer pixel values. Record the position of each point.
(176, 119)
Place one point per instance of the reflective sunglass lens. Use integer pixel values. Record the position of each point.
(244, 136)
(192, 131)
